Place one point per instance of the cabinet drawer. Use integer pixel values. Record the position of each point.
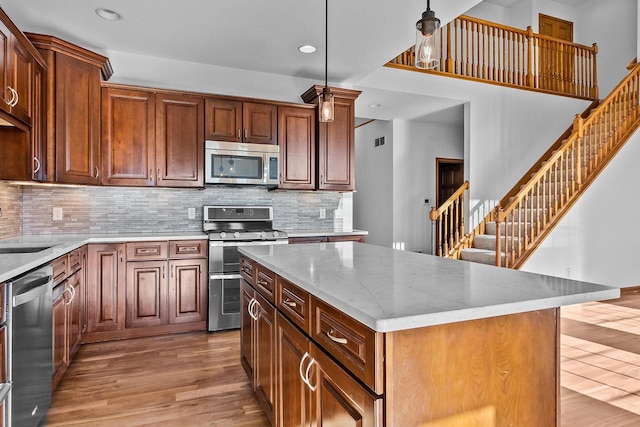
(74, 261)
(188, 249)
(247, 270)
(147, 251)
(350, 342)
(60, 269)
(294, 303)
(266, 283)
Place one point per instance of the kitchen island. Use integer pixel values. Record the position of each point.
(357, 334)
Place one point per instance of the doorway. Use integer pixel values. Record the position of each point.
(555, 59)
(449, 177)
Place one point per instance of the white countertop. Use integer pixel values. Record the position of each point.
(390, 290)
(13, 265)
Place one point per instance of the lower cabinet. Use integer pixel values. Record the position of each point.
(147, 288)
(295, 381)
(314, 390)
(258, 347)
(68, 310)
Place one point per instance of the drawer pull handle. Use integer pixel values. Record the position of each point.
(336, 339)
(246, 271)
(290, 303)
(263, 283)
(188, 249)
(253, 310)
(147, 251)
(311, 363)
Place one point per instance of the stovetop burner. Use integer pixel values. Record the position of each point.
(242, 223)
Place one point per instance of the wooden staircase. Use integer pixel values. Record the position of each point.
(532, 208)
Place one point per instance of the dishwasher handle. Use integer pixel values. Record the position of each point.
(36, 289)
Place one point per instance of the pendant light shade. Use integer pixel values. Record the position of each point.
(427, 48)
(325, 99)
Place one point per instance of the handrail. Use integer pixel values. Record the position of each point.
(546, 197)
(448, 223)
(476, 49)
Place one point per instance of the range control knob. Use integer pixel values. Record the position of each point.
(223, 234)
(263, 235)
(275, 234)
(236, 234)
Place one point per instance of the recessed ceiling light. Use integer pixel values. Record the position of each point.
(107, 14)
(307, 48)
(375, 105)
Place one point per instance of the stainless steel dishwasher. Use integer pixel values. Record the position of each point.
(31, 347)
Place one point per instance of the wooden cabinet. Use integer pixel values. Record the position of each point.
(128, 137)
(179, 140)
(187, 290)
(73, 109)
(258, 346)
(38, 157)
(336, 141)
(297, 141)
(285, 348)
(68, 310)
(238, 121)
(146, 294)
(106, 291)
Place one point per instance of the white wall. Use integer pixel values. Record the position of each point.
(373, 199)
(613, 26)
(415, 149)
(597, 241)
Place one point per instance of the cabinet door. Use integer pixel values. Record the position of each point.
(38, 128)
(294, 397)
(336, 149)
(128, 137)
(339, 400)
(5, 66)
(77, 103)
(223, 120)
(21, 81)
(106, 287)
(265, 356)
(179, 141)
(247, 323)
(59, 314)
(74, 314)
(146, 294)
(187, 290)
(297, 141)
(260, 123)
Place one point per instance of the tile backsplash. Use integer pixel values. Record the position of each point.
(122, 209)
(11, 209)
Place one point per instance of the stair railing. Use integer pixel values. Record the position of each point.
(533, 211)
(476, 49)
(447, 224)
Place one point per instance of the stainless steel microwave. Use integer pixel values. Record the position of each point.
(239, 163)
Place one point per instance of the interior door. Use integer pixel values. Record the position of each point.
(555, 59)
(450, 176)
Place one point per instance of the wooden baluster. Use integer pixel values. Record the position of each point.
(531, 44)
(497, 218)
(449, 64)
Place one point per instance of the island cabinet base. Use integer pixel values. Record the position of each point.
(498, 371)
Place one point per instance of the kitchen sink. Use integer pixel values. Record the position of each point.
(22, 249)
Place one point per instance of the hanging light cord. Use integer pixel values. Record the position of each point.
(326, 40)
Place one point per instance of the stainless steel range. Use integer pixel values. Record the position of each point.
(230, 227)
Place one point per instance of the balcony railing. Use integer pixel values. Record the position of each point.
(475, 49)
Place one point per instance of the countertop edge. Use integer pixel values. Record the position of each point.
(316, 233)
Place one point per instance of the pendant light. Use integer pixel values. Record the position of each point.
(325, 99)
(427, 47)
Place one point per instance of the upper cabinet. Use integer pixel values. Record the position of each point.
(336, 141)
(73, 109)
(128, 137)
(297, 141)
(237, 121)
(179, 140)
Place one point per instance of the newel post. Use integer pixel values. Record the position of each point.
(596, 91)
(530, 43)
(497, 213)
(578, 128)
(433, 216)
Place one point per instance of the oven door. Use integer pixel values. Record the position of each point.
(224, 302)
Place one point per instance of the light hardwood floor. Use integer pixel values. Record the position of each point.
(195, 379)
